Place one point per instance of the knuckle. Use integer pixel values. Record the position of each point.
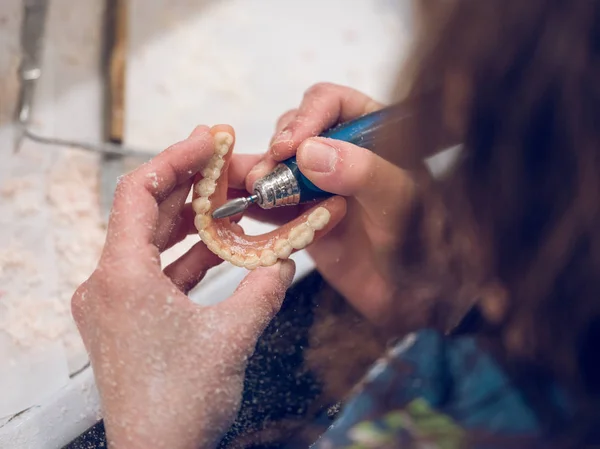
(372, 106)
(200, 129)
(286, 118)
(124, 184)
(287, 114)
(79, 301)
(320, 89)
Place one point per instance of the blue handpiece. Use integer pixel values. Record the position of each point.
(361, 131)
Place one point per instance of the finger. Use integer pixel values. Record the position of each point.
(190, 268)
(266, 162)
(257, 300)
(185, 227)
(233, 192)
(323, 106)
(239, 167)
(169, 215)
(264, 167)
(348, 170)
(134, 216)
(284, 121)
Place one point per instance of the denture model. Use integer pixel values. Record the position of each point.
(227, 239)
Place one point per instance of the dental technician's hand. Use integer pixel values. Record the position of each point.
(354, 255)
(169, 372)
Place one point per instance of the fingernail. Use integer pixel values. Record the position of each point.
(199, 130)
(318, 156)
(287, 270)
(260, 167)
(284, 136)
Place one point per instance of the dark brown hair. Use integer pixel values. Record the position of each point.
(516, 224)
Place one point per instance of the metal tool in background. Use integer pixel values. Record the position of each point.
(287, 186)
(30, 71)
(114, 64)
(32, 31)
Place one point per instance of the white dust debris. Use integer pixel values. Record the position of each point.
(153, 176)
(39, 278)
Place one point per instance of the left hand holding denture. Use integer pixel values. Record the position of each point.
(170, 372)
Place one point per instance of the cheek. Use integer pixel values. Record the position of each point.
(378, 306)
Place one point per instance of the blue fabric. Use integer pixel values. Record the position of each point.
(439, 392)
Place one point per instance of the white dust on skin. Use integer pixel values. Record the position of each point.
(171, 373)
(31, 313)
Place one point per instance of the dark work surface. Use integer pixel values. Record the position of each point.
(92, 438)
(276, 387)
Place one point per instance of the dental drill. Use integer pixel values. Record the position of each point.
(287, 186)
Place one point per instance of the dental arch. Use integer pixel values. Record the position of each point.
(227, 240)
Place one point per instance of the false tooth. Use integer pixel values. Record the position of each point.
(214, 246)
(301, 236)
(237, 260)
(205, 236)
(222, 142)
(211, 173)
(201, 222)
(206, 187)
(268, 258)
(217, 162)
(201, 205)
(252, 262)
(283, 249)
(224, 254)
(319, 218)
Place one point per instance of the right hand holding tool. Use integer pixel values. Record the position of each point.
(353, 257)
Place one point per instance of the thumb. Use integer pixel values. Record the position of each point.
(345, 169)
(257, 300)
